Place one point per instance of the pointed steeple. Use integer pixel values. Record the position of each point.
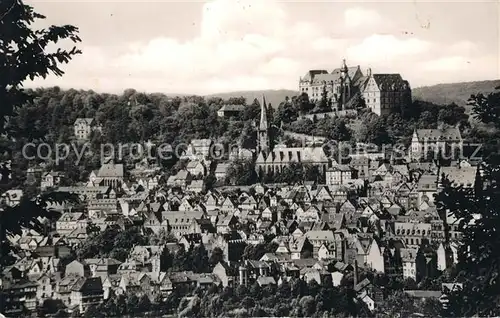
(263, 114)
(263, 140)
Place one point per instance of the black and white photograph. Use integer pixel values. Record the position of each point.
(249, 158)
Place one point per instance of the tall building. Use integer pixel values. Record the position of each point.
(383, 93)
(263, 133)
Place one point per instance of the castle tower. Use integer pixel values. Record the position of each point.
(263, 137)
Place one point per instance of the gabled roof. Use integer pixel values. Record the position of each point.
(232, 108)
(86, 121)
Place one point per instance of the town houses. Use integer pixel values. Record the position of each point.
(382, 220)
(135, 222)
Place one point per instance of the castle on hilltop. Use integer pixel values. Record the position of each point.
(383, 93)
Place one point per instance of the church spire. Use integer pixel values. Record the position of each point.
(263, 114)
(263, 127)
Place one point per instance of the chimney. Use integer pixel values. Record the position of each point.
(369, 72)
(355, 272)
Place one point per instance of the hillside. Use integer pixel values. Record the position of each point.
(275, 97)
(454, 92)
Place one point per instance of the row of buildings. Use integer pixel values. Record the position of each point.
(370, 214)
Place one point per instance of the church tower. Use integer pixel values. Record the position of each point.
(345, 83)
(263, 136)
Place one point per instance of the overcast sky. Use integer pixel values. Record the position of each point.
(227, 45)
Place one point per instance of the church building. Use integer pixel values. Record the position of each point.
(279, 157)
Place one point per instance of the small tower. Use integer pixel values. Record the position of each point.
(243, 275)
(343, 69)
(345, 83)
(263, 136)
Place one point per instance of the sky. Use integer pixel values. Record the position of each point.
(197, 47)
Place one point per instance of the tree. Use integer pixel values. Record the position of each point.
(93, 311)
(307, 306)
(216, 257)
(144, 304)
(92, 228)
(291, 174)
(397, 304)
(181, 260)
(304, 105)
(302, 126)
(478, 253)
(26, 54)
(252, 111)
(241, 172)
(286, 113)
(132, 304)
(200, 262)
(50, 306)
(486, 108)
(166, 260)
(121, 305)
(340, 131)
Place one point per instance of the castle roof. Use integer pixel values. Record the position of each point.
(390, 82)
(312, 73)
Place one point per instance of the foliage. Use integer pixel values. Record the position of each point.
(486, 108)
(287, 112)
(241, 172)
(216, 256)
(122, 242)
(478, 266)
(402, 305)
(294, 298)
(194, 259)
(26, 54)
(255, 252)
(50, 306)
